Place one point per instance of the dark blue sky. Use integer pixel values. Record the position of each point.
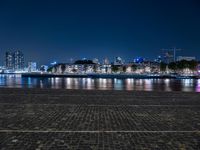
(62, 29)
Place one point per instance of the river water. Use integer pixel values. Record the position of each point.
(16, 81)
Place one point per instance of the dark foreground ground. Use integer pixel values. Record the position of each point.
(78, 119)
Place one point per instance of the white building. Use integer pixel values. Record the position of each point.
(32, 67)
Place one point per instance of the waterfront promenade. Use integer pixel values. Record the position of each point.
(91, 119)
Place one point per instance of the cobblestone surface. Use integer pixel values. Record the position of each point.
(102, 141)
(99, 118)
(78, 119)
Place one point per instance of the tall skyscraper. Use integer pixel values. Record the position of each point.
(18, 60)
(14, 60)
(9, 60)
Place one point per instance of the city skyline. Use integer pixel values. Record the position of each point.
(161, 57)
(59, 30)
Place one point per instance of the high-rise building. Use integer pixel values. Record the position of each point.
(9, 60)
(14, 60)
(18, 60)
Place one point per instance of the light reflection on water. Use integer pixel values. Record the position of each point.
(186, 85)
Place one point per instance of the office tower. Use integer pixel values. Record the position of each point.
(14, 60)
(18, 60)
(9, 60)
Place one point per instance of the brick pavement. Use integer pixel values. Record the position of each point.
(78, 119)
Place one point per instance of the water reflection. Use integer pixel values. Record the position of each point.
(198, 86)
(186, 85)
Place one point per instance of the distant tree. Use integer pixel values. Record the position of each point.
(95, 67)
(53, 69)
(74, 70)
(173, 66)
(84, 62)
(134, 67)
(63, 67)
(114, 68)
(50, 69)
(124, 68)
(163, 66)
(192, 65)
(182, 64)
(85, 67)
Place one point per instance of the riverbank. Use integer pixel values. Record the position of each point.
(111, 76)
(93, 119)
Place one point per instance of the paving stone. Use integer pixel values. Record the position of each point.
(104, 120)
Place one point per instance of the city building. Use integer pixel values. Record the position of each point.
(18, 60)
(43, 68)
(95, 61)
(198, 69)
(118, 61)
(32, 66)
(187, 58)
(9, 60)
(106, 61)
(14, 61)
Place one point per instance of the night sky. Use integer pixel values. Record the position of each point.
(57, 30)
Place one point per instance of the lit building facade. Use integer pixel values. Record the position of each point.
(14, 60)
(18, 60)
(9, 60)
(32, 66)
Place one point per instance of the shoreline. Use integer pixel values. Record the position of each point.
(105, 76)
(110, 76)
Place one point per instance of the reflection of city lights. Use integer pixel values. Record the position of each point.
(88, 80)
(118, 81)
(29, 81)
(129, 84)
(198, 81)
(129, 81)
(187, 84)
(198, 86)
(68, 80)
(148, 84)
(104, 81)
(41, 84)
(89, 83)
(167, 81)
(167, 85)
(141, 81)
(118, 85)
